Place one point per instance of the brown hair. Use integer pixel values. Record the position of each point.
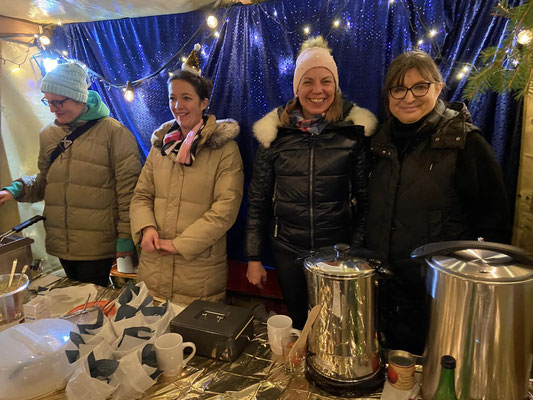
(333, 114)
(417, 59)
(201, 85)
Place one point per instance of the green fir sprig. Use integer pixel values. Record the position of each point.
(508, 67)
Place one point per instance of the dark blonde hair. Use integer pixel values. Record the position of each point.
(417, 59)
(333, 114)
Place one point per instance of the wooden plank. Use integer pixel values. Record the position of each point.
(17, 26)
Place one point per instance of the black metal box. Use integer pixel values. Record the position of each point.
(218, 330)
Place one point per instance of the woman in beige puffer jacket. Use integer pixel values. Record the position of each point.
(180, 212)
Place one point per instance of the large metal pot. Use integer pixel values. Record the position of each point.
(11, 302)
(481, 297)
(343, 350)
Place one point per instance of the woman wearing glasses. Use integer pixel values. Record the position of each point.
(434, 179)
(87, 184)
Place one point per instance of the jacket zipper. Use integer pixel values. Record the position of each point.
(311, 203)
(67, 179)
(274, 204)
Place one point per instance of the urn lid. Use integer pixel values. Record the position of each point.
(478, 260)
(338, 261)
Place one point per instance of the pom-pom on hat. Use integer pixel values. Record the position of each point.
(192, 64)
(314, 53)
(69, 80)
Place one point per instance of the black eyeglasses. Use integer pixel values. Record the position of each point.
(55, 103)
(418, 90)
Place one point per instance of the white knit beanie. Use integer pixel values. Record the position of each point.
(69, 80)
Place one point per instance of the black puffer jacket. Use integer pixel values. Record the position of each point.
(448, 186)
(307, 190)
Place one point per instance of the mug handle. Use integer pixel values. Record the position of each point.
(193, 347)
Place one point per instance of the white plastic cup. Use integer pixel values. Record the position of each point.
(169, 353)
(278, 327)
(125, 265)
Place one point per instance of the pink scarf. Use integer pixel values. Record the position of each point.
(184, 152)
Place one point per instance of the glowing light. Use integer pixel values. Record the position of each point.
(420, 42)
(460, 75)
(16, 69)
(183, 59)
(336, 23)
(391, 2)
(59, 22)
(432, 33)
(466, 69)
(275, 13)
(49, 64)
(524, 37)
(348, 25)
(307, 30)
(44, 40)
(128, 93)
(212, 21)
(65, 53)
(515, 62)
(217, 35)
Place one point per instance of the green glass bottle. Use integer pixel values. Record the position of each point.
(446, 388)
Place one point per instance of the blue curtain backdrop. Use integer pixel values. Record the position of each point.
(251, 62)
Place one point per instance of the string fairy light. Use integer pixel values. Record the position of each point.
(524, 37)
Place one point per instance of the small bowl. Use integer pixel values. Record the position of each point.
(11, 302)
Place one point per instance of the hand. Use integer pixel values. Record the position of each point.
(167, 247)
(5, 195)
(150, 240)
(256, 274)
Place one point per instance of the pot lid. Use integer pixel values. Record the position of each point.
(337, 262)
(483, 261)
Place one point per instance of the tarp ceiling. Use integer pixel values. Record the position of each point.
(68, 11)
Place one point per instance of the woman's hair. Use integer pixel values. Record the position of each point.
(417, 59)
(333, 114)
(201, 85)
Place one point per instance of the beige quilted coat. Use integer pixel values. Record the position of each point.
(87, 190)
(193, 206)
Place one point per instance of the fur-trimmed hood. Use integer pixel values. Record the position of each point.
(266, 129)
(215, 134)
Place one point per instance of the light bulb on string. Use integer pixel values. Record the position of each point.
(65, 53)
(432, 33)
(217, 35)
(336, 23)
(59, 22)
(460, 75)
(391, 2)
(524, 37)
(183, 59)
(44, 40)
(307, 30)
(420, 42)
(128, 92)
(466, 69)
(212, 21)
(16, 69)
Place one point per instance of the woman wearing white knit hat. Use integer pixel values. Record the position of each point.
(310, 175)
(88, 166)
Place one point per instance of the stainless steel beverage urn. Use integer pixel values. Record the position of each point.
(343, 351)
(481, 297)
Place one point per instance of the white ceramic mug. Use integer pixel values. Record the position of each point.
(278, 327)
(169, 353)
